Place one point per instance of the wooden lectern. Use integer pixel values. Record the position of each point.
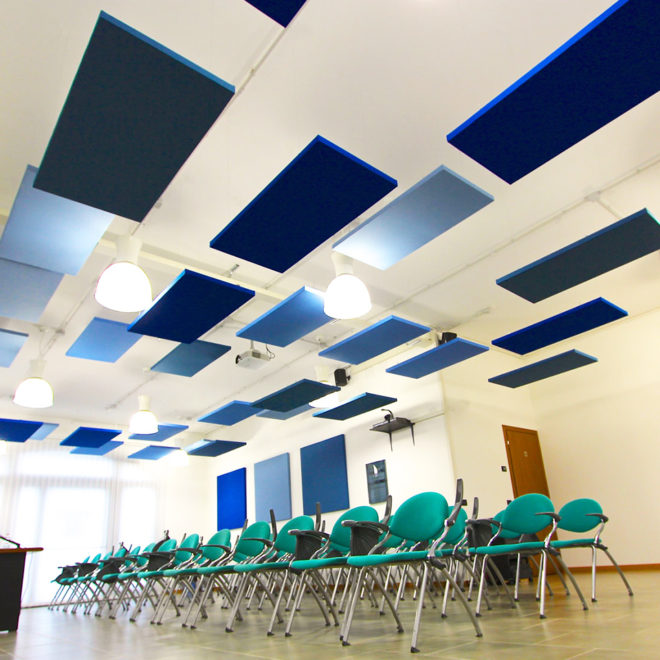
(12, 566)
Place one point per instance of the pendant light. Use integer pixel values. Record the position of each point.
(143, 421)
(34, 391)
(347, 296)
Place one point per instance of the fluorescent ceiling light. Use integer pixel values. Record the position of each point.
(347, 296)
(34, 391)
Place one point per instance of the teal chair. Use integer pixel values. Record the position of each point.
(133, 564)
(65, 581)
(86, 573)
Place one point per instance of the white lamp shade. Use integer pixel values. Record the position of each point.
(347, 297)
(34, 392)
(328, 401)
(124, 287)
(143, 422)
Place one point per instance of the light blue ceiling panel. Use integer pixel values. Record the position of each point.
(274, 414)
(42, 433)
(97, 451)
(164, 432)
(10, 343)
(431, 207)
(17, 430)
(230, 413)
(356, 406)
(153, 452)
(103, 340)
(295, 395)
(30, 291)
(212, 448)
(188, 359)
(293, 318)
(51, 232)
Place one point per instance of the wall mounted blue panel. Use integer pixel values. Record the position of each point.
(44, 431)
(281, 11)
(85, 436)
(10, 344)
(190, 306)
(232, 508)
(133, 115)
(356, 406)
(164, 432)
(293, 318)
(51, 232)
(213, 447)
(431, 207)
(30, 291)
(611, 247)
(556, 328)
(103, 340)
(230, 413)
(603, 71)
(97, 451)
(557, 364)
(324, 478)
(295, 395)
(17, 430)
(188, 359)
(319, 192)
(272, 488)
(274, 414)
(438, 358)
(153, 453)
(374, 340)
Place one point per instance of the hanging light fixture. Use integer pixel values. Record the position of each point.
(329, 400)
(34, 391)
(123, 285)
(143, 421)
(347, 296)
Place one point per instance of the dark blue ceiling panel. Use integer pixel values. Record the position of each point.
(44, 431)
(438, 358)
(190, 306)
(133, 115)
(374, 340)
(603, 71)
(356, 406)
(230, 413)
(97, 451)
(10, 344)
(213, 447)
(164, 432)
(153, 452)
(188, 359)
(17, 430)
(562, 326)
(30, 291)
(293, 318)
(295, 395)
(85, 436)
(611, 247)
(319, 192)
(557, 364)
(274, 414)
(103, 340)
(281, 11)
(431, 207)
(51, 232)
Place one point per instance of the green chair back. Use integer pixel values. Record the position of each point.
(168, 546)
(222, 537)
(457, 530)
(95, 559)
(286, 542)
(143, 561)
(340, 535)
(257, 530)
(189, 543)
(574, 516)
(420, 517)
(505, 533)
(521, 514)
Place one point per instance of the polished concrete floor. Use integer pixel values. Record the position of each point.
(617, 626)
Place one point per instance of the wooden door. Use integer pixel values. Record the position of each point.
(525, 461)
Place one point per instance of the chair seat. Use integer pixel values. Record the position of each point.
(148, 574)
(268, 566)
(507, 548)
(325, 562)
(213, 570)
(379, 560)
(175, 572)
(572, 543)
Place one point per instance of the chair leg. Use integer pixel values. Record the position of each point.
(542, 581)
(420, 606)
(276, 607)
(560, 576)
(618, 570)
(390, 604)
(464, 601)
(352, 603)
(574, 583)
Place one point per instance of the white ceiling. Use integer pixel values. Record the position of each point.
(383, 79)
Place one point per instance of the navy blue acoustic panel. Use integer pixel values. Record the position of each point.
(213, 448)
(293, 318)
(281, 11)
(295, 395)
(272, 488)
(164, 432)
(43, 431)
(30, 291)
(133, 115)
(611, 247)
(17, 430)
(606, 69)
(188, 359)
(10, 343)
(274, 414)
(431, 207)
(103, 340)
(356, 406)
(85, 436)
(230, 413)
(190, 306)
(556, 328)
(51, 232)
(557, 364)
(437, 358)
(374, 340)
(97, 451)
(319, 192)
(324, 478)
(153, 453)
(232, 508)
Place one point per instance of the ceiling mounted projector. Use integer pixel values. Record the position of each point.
(252, 359)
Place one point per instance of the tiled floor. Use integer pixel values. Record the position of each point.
(617, 626)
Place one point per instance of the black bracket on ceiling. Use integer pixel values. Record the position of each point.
(391, 424)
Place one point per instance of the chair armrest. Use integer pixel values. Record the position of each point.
(367, 524)
(226, 548)
(601, 516)
(267, 542)
(310, 532)
(555, 516)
